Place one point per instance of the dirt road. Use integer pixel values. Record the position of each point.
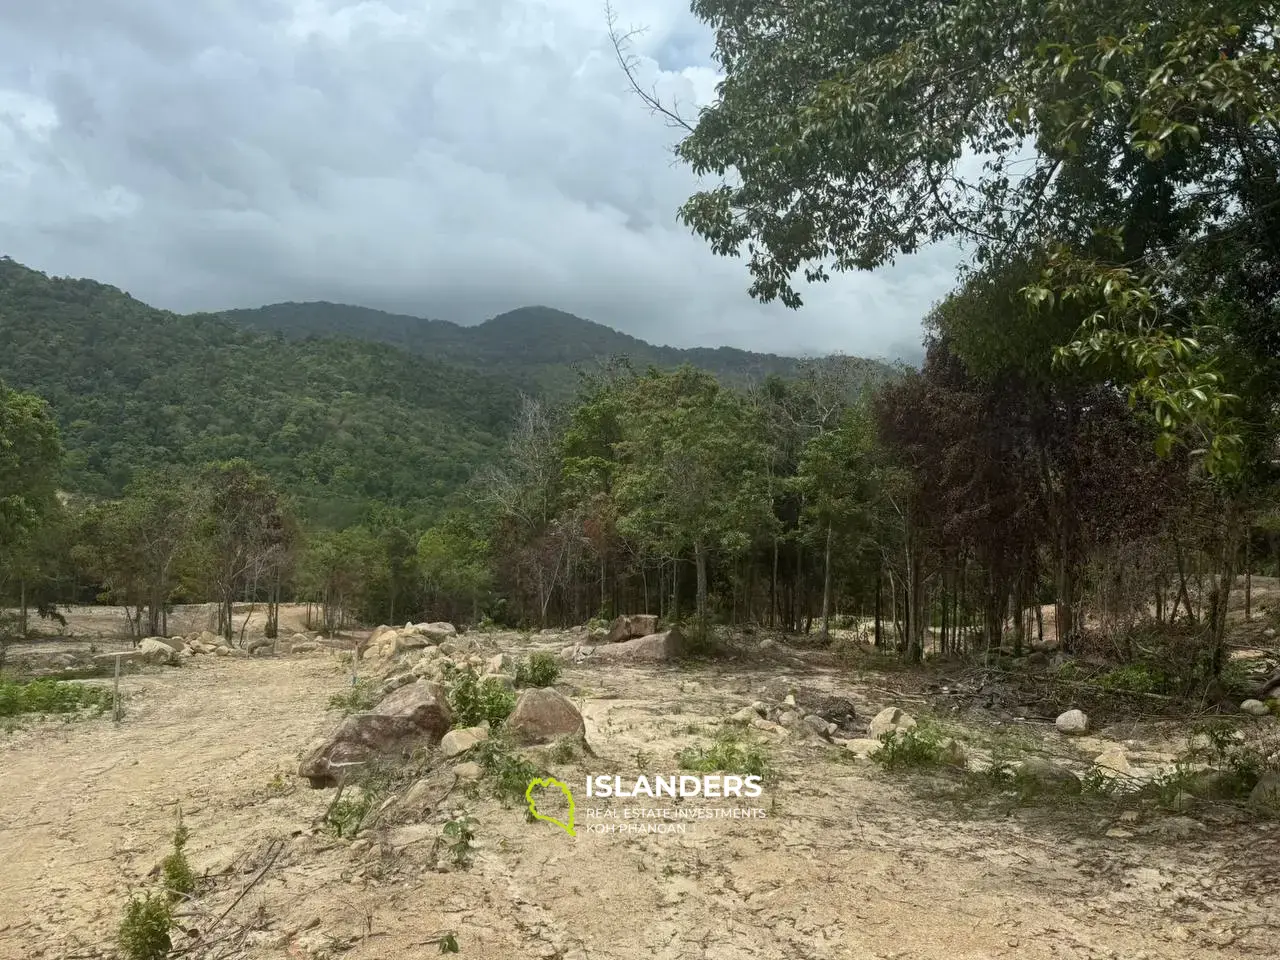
(845, 865)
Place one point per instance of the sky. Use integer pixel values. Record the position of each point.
(444, 158)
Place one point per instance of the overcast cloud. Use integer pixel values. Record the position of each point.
(447, 158)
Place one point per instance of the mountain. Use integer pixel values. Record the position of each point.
(536, 347)
(343, 405)
(339, 422)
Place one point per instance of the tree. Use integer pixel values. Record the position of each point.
(848, 136)
(30, 464)
(242, 533)
(695, 470)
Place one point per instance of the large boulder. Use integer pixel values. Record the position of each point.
(542, 715)
(176, 644)
(629, 628)
(152, 650)
(1255, 708)
(438, 631)
(668, 645)
(413, 714)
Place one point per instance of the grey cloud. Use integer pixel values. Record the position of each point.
(453, 159)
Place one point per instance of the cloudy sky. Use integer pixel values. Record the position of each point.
(446, 158)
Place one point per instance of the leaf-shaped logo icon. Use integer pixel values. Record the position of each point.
(548, 783)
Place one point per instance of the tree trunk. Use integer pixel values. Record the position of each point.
(700, 560)
(22, 616)
(1248, 579)
(826, 588)
(879, 636)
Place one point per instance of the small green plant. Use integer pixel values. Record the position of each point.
(179, 878)
(461, 834)
(920, 747)
(563, 750)
(507, 771)
(358, 698)
(537, 670)
(475, 701)
(144, 931)
(346, 814)
(449, 943)
(727, 754)
(50, 696)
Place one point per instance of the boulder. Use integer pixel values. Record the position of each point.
(438, 631)
(1036, 774)
(1265, 795)
(456, 645)
(504, 680)
(306, 646)
(890, 720)
(542, 715)
(498, 663)
(261, 646)
(406, 640)
(459, 741)
(176, 644)
(745, 715)
(395, 682)
(413, 714)
(1073, 723)
(1255, 708)
(1113, 762)
(668, 645)
(629, 628)
(819, 725)
(152, 650)
(468, 771)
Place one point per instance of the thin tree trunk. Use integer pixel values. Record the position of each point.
(826, 589)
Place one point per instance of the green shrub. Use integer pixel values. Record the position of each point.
(475, 701)
(179, 878)
(50, 696)
(537, 670)
(358, 698)
(727, 754)
(920, 747)
(508, 772)
(144, 931)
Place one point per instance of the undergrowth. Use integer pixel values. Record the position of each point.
(727, 754)
(475, 701)
(50, 696)
(537, 670)
(360, 697)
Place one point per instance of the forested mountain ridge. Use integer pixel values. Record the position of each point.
(344, 406)
(337, 422)
(537, 346)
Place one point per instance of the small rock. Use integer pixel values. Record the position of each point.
(1255, 708)
(954, 753)
(1266, 793)
(760, 707)
(1039, 773)
(459, 741)
(1113, 761)
(505, 681)
(468, 771)
(862, 746)
(745, 715)
(1073, 723)
(818, 725)
(788, 718)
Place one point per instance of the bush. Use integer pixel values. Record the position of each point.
(474, 701)
(920, 747)
(726, 755)
(508, 772)
(144, 931)
(50, 696)
(361, 696)
(537, 670)
(179, 878)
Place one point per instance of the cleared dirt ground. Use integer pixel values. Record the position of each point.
(848, 863)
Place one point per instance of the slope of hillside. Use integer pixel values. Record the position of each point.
(338, 421)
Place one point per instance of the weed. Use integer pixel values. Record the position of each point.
(563, 750)
(179, 878)
(537, 670)
(460, 831)
(50, 696)
(727, 754)
(475, 701)
(449, 943)
(360, 697)
(346, 815)
(920, 747)
(508, 772)
(144, 931)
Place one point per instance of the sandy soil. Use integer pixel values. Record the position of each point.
(848, 863)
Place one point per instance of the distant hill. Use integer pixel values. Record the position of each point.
(535, 347)
(340, 422)
(345, 405)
